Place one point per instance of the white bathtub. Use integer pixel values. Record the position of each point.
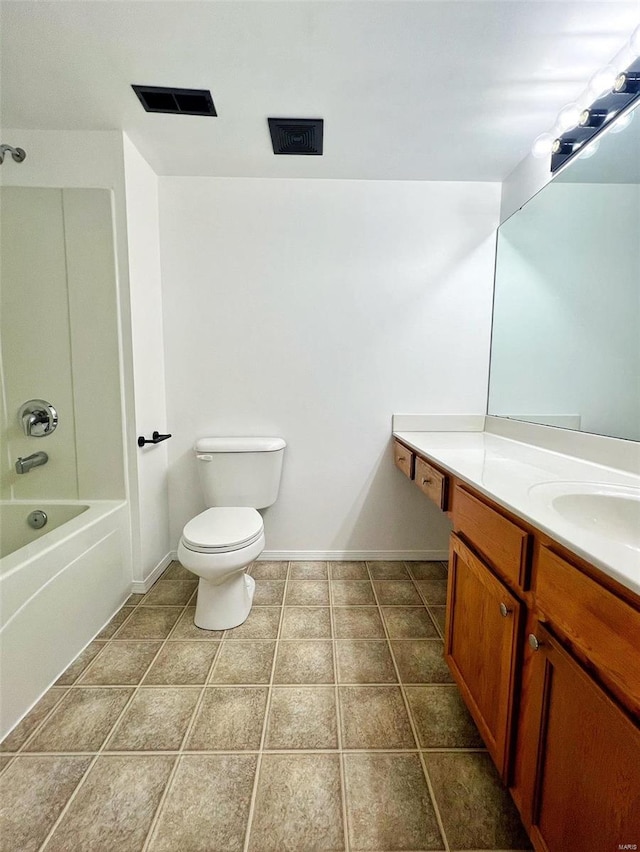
(56, 592)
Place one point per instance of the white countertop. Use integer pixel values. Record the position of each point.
(506, 470)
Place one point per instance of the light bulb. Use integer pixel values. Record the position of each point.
(542, 145)
(589, 150)
(568, 117)
(619, 124)
(634, 41)
(602, 81)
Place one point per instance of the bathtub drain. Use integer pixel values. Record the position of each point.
(37, 519)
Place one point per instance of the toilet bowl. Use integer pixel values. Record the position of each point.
(217, 546)
(239, 475)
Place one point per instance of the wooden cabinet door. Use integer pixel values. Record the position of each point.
(482, 646)
(587, 788)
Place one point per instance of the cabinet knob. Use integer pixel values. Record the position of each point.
(534, 642)
(504, 610)
(426, 481)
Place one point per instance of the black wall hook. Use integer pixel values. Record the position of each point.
(155, 438)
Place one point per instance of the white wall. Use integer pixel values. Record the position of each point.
(152, 509)
(314, 310)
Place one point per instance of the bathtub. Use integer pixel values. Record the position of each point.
(58, 588)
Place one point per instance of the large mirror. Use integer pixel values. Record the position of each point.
(565, 348)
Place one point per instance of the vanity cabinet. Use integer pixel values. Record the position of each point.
(545, 650)
(482, 647)
(584, 753)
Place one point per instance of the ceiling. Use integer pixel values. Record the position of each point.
(422, 90)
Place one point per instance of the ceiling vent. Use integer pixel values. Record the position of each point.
(175, 101)
(296, 135)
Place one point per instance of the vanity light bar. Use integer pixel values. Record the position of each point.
(598, 117)
(611, 91)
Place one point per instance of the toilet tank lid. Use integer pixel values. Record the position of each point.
(247, 444)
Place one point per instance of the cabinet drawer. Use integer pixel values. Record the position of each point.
(603, 627)
(432, 483)
(503, 544)
(403, 458)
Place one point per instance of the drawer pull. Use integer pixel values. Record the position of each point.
(426, 481)
(504, 610)
(401, 458)
(534, 642)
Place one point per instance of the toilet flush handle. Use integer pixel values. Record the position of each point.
(204, 457)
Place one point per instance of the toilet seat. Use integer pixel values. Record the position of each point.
(223, 529)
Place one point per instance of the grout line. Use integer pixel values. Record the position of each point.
(102, 748)
(263, 737)
(414, 729)
(174, 769)
(338, 717)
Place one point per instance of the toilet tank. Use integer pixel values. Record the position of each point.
(240, 471)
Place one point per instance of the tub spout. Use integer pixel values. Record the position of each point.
(24, 465)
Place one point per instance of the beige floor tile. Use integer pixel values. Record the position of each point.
(388, 570)
(120, 664)
(439, 614)
(183, 663)
(348, 570)
(21, 733)
(73, 672)
(33, 792)
(269, 570)
(304, 662)
(302, 717)
(229, 719)
(149, 623)
(409, 622)
(477, 811)
(216, 817)
(301, 622)
(244, 662)
(268, 592)
(176, 571)
(81, 721)
(134, 599)
(427, 570)
(364, 662)
(441, 718)
(434, 590)
(117, 621)
(308, 571)
(352, 593)
(185, 628)
(298, 804)
(115, 806)
(358, 622)
(374, 717)
(5, 760)
(170, 592)
(388, 803)
(156, 720)
(421, 661)
(397, 593)
(307, 593)
(262, 623)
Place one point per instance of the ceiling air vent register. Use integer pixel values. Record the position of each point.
(175, 101)
(296, 135)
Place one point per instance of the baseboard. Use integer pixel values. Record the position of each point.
(366, 555)
(139, 587)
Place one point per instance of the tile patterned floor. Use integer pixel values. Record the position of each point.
(328, 721)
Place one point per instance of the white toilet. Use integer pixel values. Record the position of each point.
(238, 476)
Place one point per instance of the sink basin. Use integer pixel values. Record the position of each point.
(608, 511)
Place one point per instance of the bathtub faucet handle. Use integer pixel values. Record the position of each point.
(24, 465)
(37, 418)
